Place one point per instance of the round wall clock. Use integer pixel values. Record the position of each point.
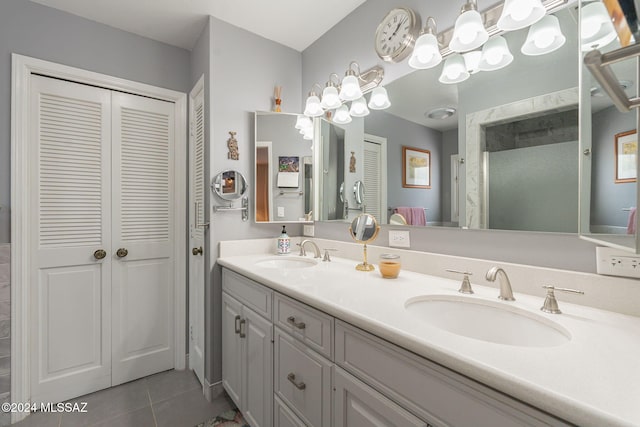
(397, 34)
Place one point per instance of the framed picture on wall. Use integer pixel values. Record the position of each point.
(416, 168)
(626, 151)
(288, 164)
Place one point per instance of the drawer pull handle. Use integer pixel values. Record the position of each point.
(292, 379)
(299, 325)
(241, 330)
(237, 324)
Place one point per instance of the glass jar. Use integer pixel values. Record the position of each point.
(389, 265)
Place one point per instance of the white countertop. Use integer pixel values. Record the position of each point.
(592, 380)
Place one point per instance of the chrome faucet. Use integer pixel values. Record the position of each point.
(316, 249)
(505, 286)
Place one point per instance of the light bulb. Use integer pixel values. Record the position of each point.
(359, 108)
(330, 98)
(454, 70)
(379, 99)
(342, 115)
(544, 40)
(350, 89)
(313, 107)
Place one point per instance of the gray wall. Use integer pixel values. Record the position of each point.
(245, 68)
(333, 52)
(34, 30)
(400, 132)
(608, 198)
(287, 142)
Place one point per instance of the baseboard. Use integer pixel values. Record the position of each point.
(212, 391)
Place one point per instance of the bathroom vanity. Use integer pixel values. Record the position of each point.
(349, 345)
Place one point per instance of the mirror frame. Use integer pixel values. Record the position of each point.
(233, 196)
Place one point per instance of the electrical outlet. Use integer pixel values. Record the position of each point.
(308, 230)
(615, 262)
(399, 239)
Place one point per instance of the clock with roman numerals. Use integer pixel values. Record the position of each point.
(397, 34)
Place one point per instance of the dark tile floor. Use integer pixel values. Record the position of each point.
(171, 399)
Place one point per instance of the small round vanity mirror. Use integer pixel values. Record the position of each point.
(358, 192)
(229, 185)
(364, 229)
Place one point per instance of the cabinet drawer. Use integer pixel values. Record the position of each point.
(302, 380)
(248, 292)
(430, 391)
(307, 324)
(358, 405)
(283, 416)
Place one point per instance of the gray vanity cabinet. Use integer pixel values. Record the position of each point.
(247, 348)
(358, 405)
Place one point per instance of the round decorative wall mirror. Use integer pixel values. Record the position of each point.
(229, 185)
(364, 229)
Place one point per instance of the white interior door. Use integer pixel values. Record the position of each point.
(70, 288)
(197, 231)
(142, 218)
(375, 174)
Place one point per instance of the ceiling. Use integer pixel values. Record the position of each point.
(293, 23)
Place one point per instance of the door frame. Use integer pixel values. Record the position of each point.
(23, 67)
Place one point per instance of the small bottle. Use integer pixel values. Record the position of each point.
(389, 265)
(284, 243)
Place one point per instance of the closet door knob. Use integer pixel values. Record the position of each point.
(197, 251)
(122, 252)
(100, 254)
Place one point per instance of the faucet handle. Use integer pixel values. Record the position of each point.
(550, 304)
(465, 286)
(302, 251)
(327, 257)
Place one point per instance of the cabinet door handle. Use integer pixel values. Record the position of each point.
(299, 325)
(243, 322)
(122, 252)
(292, 379)
(237, 324)
(100, 254)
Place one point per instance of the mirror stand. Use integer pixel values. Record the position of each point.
(244, 208)
(365, 266)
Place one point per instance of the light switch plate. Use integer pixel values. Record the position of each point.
(308, 230)
(399, 239)
(280, 211)
(615, 262)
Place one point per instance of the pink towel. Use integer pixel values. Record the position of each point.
(631, 225)
(414, 216)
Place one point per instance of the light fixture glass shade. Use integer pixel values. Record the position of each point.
(544, 36)
(454, 70)
(350, 89)
(426, 53)
(518, 14)
(469, 32)
(308, 133)
(495, 54)
(342, 116)
(596, 28)
(359, 108)
(330, 98)
(313, 107)
(472, 61)
(303, 122)
(379, 99)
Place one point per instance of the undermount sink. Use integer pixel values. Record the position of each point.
(495, 322)
(286, 263)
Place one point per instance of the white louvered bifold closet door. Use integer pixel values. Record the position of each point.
(197, 219)
(70, 288)
(372, 181)
(142, 217)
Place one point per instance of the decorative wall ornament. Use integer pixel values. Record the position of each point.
(277, 95)
(352, 162)
(232, 144)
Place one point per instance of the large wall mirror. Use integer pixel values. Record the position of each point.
(497, 151)
(283, 170)
(608, 185)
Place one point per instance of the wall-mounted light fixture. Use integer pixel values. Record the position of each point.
(473, 30)
(426, 52)
(352, 89)
(544, 37)
(469, 32)
(597, 29)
